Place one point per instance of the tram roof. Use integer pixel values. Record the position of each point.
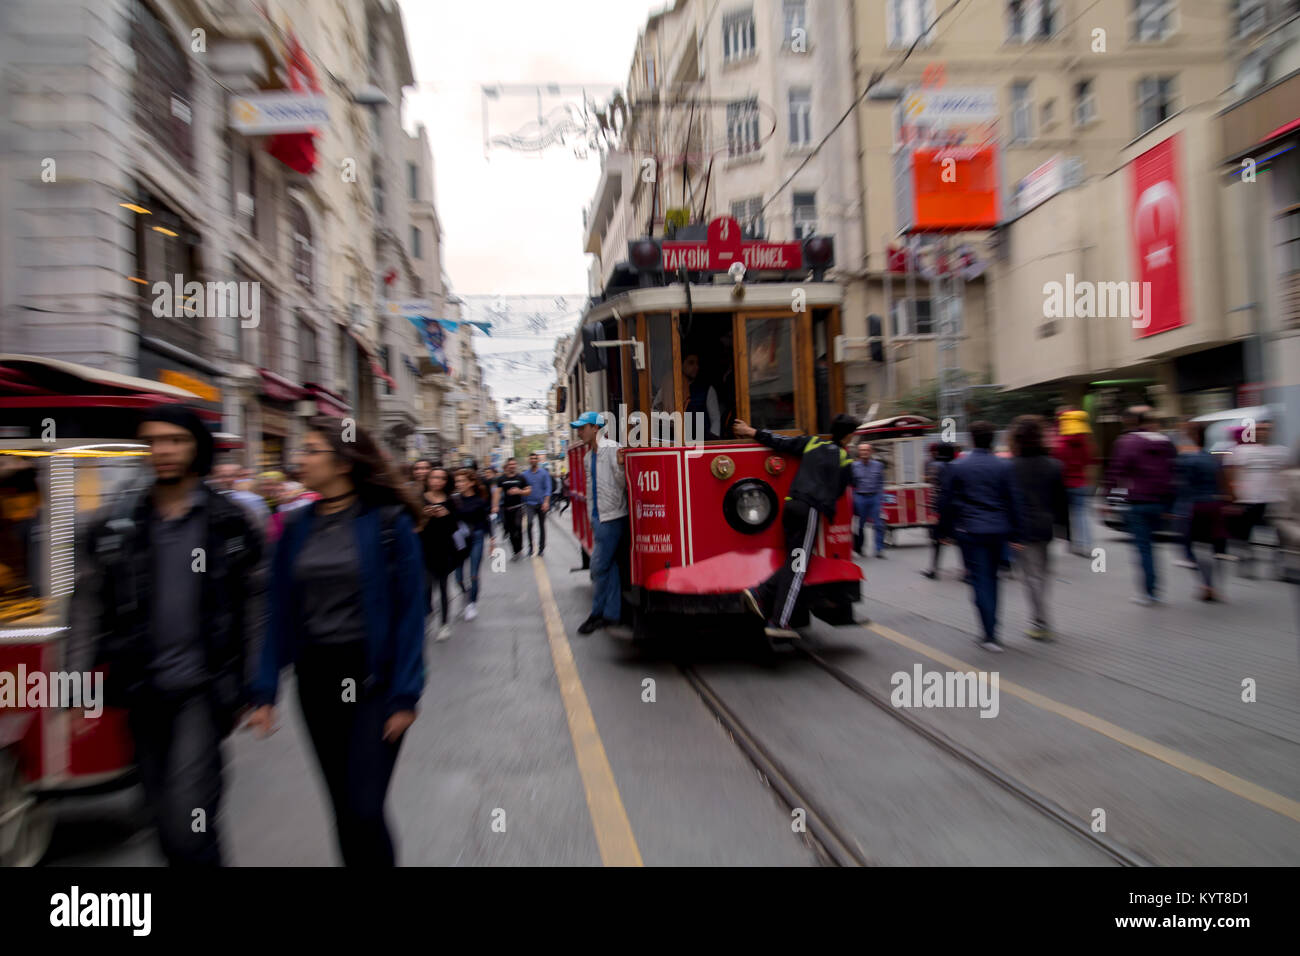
(713, 298)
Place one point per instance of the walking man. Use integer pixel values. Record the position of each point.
(608, 491)
(1041, 484)
(509, 503)
(825, 472)
(868, 490)
(1142, 463)
(538, 501)
(175, 563)
(979, 505)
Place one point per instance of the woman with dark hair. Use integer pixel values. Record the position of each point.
(1043, 497)
(345, 610)
(473, 505)
(1203, 488)
(941, 455)
(438, 537)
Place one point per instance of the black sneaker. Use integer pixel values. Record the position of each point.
(929, 574)
(591, 624)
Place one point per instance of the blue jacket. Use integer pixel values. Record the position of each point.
(392, 605)
(868, 476)
(978, 495)
(539, 486)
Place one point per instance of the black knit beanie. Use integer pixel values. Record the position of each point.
(185, 417)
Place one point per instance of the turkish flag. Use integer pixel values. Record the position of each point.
(297, 150)
(1156, 218)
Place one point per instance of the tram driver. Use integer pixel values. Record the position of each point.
(701, 398)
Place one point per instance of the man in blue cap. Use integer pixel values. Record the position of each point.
(607, 492)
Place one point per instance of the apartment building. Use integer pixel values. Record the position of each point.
(1084, 90)
(124, 169)
(726, 106)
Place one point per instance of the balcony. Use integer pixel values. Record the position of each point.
(609, 190)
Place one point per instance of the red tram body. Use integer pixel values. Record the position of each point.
(705, 516)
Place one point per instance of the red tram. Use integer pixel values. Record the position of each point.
(672, 365)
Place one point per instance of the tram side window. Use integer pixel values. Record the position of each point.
(822, 370)
(20, 514)
(708, 379)
(663, 396)
(771, 373)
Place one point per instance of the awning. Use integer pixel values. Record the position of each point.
(34, 374)
(280, 389)
(327, 402)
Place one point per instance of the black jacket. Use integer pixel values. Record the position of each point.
(120, 548)
(1041, 482)
(825, 471)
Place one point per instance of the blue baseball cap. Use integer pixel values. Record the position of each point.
(589, 418)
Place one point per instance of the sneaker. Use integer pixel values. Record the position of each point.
(752, 600)
(775, 630)
(1226, 557)
(930, 574)
(1143, 599)
(1036, 633)
(993, 646)
(881, 555)
(471, 611)
(591, 624)
(1184, 563)
(444, 632)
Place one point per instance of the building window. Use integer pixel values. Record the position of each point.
(1249, 16)
(742, 127)
(308, 351)
(413, 180)
(271, 350)
(1290, 231)
(913, 317)
(1021, 113)
(1047, 19)
(805, 215)
(795, 15)
(417, 245)
(908, 19)
(165, 247)
(1085, 103)
(650, 72)
(303, 257)
(377, 184)
(738, 37)
(1155, 101)
(1015, 19)
(749, 213)
(1152, 19)
(162, 85)
(386, 362)
(800, 117)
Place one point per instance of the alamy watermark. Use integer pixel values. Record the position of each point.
(1085, 299)
(946, 689)
(208, 300)
(82, 690)
(660, 429)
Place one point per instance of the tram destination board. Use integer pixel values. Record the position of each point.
(724, 247)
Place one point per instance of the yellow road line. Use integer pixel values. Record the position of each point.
(1175, 758)
(608, 818)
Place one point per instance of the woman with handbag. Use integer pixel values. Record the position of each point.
(438, 538)
(345, 610)
(473, 505)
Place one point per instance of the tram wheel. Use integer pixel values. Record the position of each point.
(26, 822)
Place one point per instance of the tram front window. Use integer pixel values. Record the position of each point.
(770, 347)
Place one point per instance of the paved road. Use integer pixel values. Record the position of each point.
(1133, 711)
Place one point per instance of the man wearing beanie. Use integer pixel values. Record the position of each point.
(175, 563)
(825, 472)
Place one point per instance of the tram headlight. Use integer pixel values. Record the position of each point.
(750, 506)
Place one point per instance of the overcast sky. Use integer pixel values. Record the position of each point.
(512, 222)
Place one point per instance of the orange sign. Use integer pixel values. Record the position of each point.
(203, 390)
(955, 188)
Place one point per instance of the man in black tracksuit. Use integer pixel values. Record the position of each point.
(825, 472)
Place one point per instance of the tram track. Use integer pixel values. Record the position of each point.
(831, 840)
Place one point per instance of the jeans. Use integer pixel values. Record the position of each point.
(535, 512)
(982, 553)
(474, 560)
(512, 520)
(1080, 519)
(347, 736)
(607, 588)
(1143, 519)
(178, 755)
(868, 510)
(1036, 563)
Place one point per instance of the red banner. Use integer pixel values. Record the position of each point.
(725, 247)
(1156, 220)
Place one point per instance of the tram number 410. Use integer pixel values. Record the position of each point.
(647, 481)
